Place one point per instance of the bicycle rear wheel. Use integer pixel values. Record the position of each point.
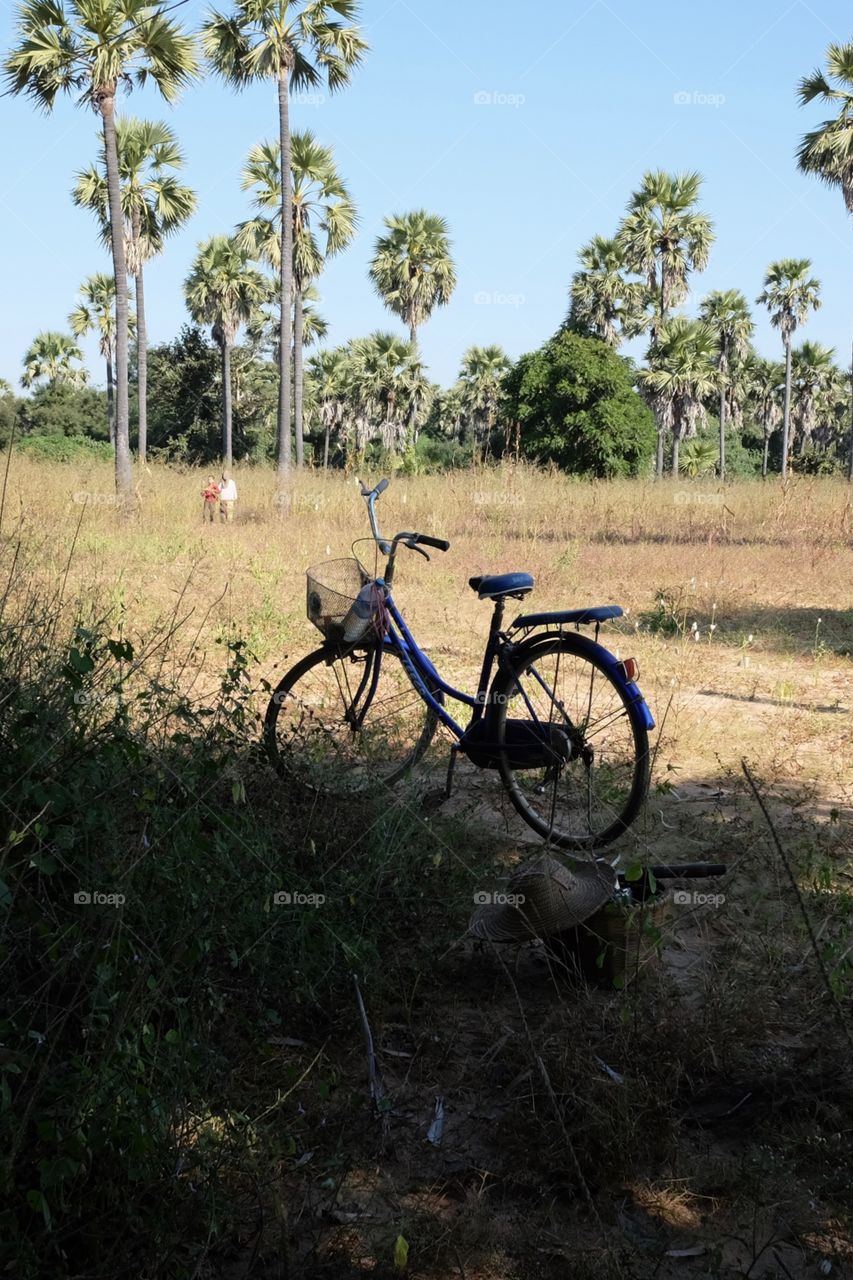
(337, 725)
(574, 745)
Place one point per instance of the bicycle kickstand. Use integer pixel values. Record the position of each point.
(451, 765)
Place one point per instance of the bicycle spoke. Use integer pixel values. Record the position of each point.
(578, 798)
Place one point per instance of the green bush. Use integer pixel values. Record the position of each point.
(59, 409)
(65, 448)
(576, 405)
(125, 1131)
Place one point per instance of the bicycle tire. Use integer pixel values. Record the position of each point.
(630, 776)
(317, 747)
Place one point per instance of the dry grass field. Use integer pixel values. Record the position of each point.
(738, 602)
(699, 1123)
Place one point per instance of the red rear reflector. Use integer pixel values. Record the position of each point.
(631, 667)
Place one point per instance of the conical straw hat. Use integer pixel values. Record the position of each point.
(552, 897)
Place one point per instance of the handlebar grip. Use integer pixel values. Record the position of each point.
(440, 544)
(381, 487)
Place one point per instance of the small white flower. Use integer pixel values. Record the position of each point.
(713, 626)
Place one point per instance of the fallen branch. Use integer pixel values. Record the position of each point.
(377, 1089)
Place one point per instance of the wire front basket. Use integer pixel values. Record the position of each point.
(333, 588)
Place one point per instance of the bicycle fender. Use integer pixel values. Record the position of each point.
(609, 661)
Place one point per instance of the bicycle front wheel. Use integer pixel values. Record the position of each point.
(340, 723)
(574, 748)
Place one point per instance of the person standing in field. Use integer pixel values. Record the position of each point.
(210, 493)
(227, 497)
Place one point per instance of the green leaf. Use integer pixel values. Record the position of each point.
(36, 1201)
(45, 863)
(80, 662)
(633, 872)
(401, 1253)
(172, 1036)
(122, 650)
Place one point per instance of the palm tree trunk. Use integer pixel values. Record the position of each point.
(111, 407)
(123, 466)
(786, 419)
(298, 378)
(286, 276)
(411, 433)
(764, 459)
(676, 445)
(141, 349)
(662, 295)
(723, 372)
(659, 458)
(326, 446)
(226, 404)
(850, 459)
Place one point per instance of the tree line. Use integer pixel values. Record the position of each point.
(259, 280)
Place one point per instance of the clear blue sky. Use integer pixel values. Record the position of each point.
(583, 100)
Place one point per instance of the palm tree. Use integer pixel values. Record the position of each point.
(680, 376)
(727, 312)
(49, 360)
(789, 294)
(387, 387)
(814, 378)
(321, 202)
(90, 48)
(155, 205)
(314, 326)
(223, 290)
(96, 311)
(412, 269)
(601, 298)
(328, 371)
(664, 237)
(297, 43)
(765, 382)
(481, 389)
(828, 150)
(451, 412)
(699, 457)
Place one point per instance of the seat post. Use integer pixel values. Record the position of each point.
(497, 618)
(488, 658)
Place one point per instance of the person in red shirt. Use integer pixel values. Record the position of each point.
(210, 493)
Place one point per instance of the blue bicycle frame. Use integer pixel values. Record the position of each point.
(422, 672)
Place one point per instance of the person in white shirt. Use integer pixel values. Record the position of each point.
(227, 497)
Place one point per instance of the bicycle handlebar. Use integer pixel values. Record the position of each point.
(408, 539)
(440, 544)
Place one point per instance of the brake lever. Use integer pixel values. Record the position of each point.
(413, 547)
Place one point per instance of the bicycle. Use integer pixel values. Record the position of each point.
(555, 713)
